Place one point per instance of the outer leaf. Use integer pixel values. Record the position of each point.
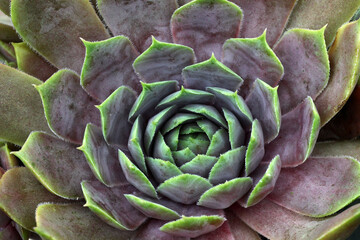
(205, 25)
(54, 29)
(163, 61)
(108, 65)
(5, 6)
(252, 58)
(7, 32)
(210, 73)
(114, 116)
(17, 188)
(111, 206)
(319, 187)
(337, 149)
(344, 61)
(138, 19)
(294, 144)
(26, 101)
(314, 14)
(67, 106)
(58, 165)
(57, 222)
(262, 14)
(7, 161)
(275, 222)
(309, 71)
(31, 63)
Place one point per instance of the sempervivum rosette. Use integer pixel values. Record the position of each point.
(209, 137)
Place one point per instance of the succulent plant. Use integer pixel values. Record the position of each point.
(178, 120)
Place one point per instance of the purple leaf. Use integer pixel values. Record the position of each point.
(294, 144)
(55, 30)
(319, 187)
(67, 106)
(308, 73)
(205, 25)
(139, 20)
(58, 165)
(107, 66)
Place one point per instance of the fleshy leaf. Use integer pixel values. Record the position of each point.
(163, 61)
(150, 96)
(31, 63)
(264, 104)
(20, 195)
(264, 14)
(152, 208)
(7, 51)
(161, 150)
(309, 71)
(114, 116)
(252, 58)
(111, 205)
(193, 226)
(162, 170)
(55, 221)
(209, 112)
(319, 187)
(9, 232)
(233, 102)
(294, 144)
(67, 106)
(224, 195)
(190, 128)
(264, 179)
(177, 120)
(199, 165)
(183, 156)
(19, 96)
(101, 157)
(184, 188)
(314, 14)
(239, 229)
(135, 143)
(58, 165)
(197, 142)
(7, 31)
(172, 138)
(151, 231)
(255, 150)
(186, 96)
(107, 66)
(276, 222)
(344, 71)
(210, 73)
(154, 124)
(337, 148)
(208, 127)
(7, 160)
(236, 132)
(135, 176)
(219, 143)
(228, 166)
(5, 6)
(205, 25)
(138, 19)
(54, 29)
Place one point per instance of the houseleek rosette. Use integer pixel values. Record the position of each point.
(214, 142)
